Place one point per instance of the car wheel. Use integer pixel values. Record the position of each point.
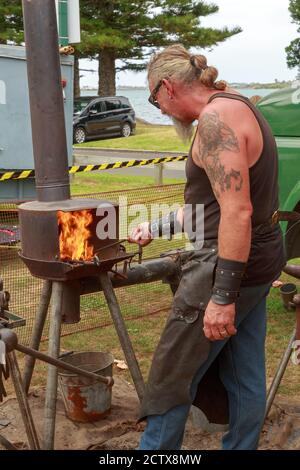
(79, 135)
(126, 130)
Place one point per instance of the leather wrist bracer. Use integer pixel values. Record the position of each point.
(164, 226)
(167, 225)
(228, 278)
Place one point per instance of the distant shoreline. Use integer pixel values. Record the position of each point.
(249, 86)
(139, 99)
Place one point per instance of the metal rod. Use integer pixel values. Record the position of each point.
(69, 367)
(122, 332)
(118, 242)
(53, 351)
(159, 174)
(46, 100)
(279, 373)
(22, 401)
(37, 332)
(148, 271)
(292, 270)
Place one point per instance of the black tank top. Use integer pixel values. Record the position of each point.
(266, 255)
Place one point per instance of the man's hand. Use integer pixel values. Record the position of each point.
(219, 321)
(141, 235)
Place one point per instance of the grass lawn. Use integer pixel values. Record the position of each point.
(84, 183)
(147, 137)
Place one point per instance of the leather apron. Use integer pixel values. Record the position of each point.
(183, 347)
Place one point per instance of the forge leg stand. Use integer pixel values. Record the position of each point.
(53, 351)
(37, 332)
(121, 329)
(279, 373)
(23, 402)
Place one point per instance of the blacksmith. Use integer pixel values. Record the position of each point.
(211, 352)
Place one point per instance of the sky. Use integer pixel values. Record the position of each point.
(255, 55)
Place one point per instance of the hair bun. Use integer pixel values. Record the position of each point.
(220, 85)
(198, 61)
(192, 60)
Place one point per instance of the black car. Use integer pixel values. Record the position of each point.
(102, 117)
(81, 103)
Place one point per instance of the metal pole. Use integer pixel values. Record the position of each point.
(46, 100)
(149, 271)
(53, 351)
(122, 332)
(64, 365)
(158, 174)
(37, 332)
(23, 402)
(279, 373)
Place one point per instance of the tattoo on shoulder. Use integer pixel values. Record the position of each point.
(216, 136)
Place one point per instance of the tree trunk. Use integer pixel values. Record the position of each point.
(76, 78)
(107, 73)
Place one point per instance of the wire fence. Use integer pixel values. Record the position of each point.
(135, 301)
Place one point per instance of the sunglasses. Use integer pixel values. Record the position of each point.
(152, 97)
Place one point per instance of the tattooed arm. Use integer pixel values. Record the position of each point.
(222, 154)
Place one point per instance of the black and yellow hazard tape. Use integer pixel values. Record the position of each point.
(23, 174)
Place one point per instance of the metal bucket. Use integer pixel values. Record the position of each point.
(287, 292)
(86, 399)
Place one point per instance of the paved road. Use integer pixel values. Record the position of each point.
(84, 156)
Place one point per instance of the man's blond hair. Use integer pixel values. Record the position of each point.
(177, 62)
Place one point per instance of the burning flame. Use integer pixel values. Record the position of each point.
(74, 235)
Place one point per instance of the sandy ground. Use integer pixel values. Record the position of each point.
(119, 430)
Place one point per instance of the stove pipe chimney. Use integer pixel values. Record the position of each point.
(46, 101)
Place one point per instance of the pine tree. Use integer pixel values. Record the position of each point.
(131, 30)
(293, 50)
(11, 22)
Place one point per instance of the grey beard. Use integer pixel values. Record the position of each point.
(184, 131)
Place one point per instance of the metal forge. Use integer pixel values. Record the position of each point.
(64, 244)
(60, 244)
